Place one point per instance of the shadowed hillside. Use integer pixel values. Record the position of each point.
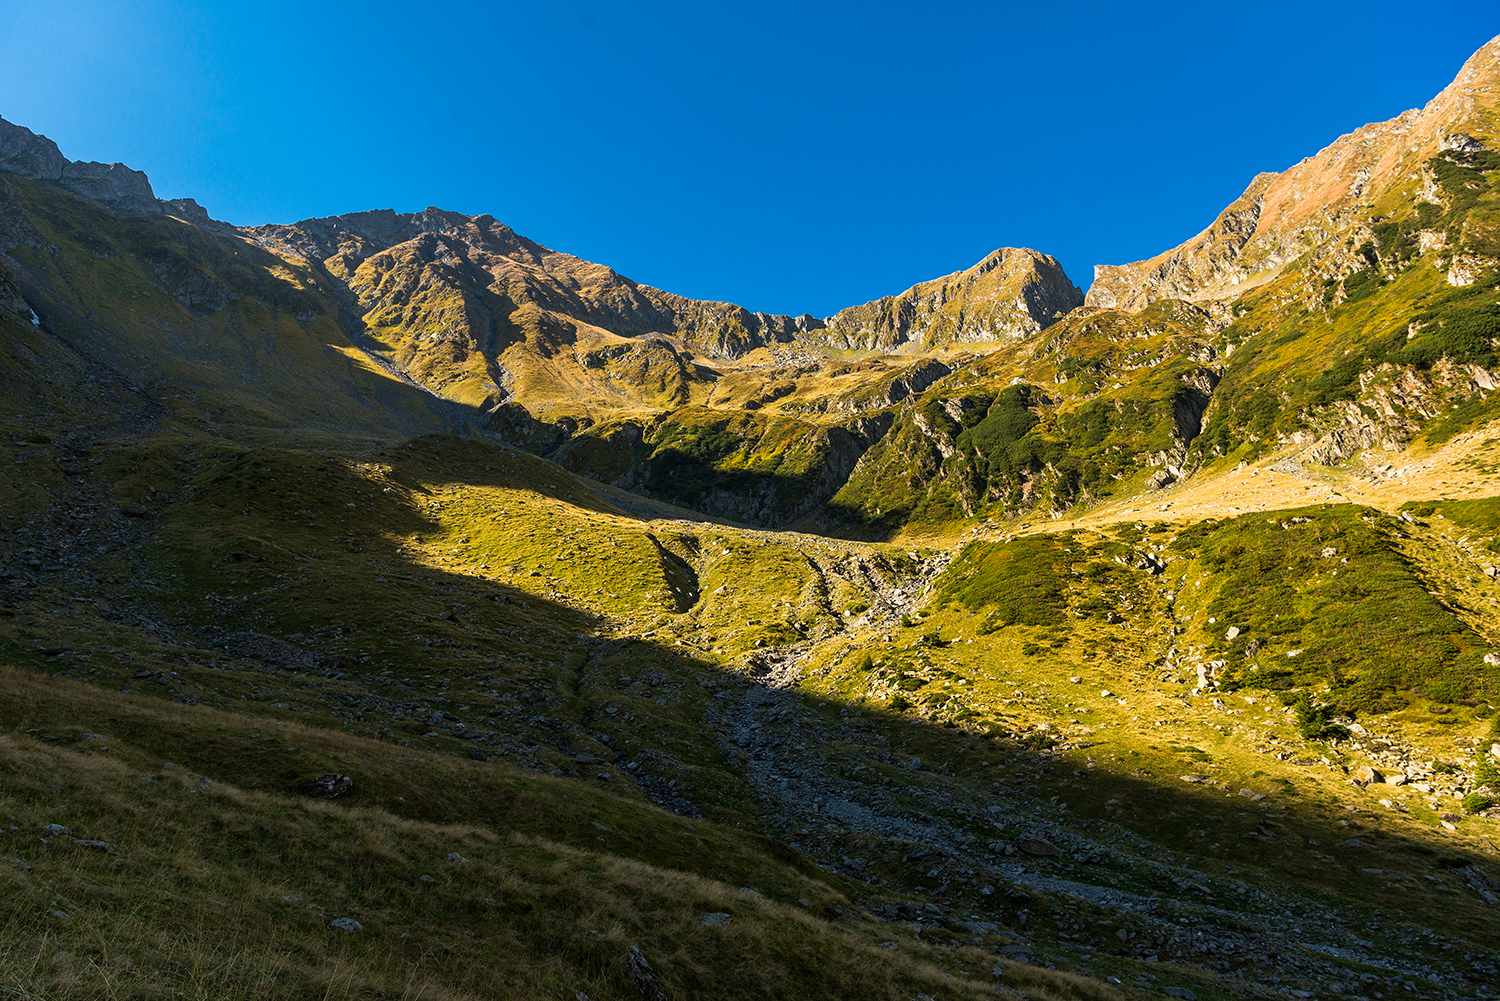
(394, 607)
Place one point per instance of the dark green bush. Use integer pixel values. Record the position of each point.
(1020, 581)
(1007, 422)
(1465, 334)
(1368, 628)
(1315, 722)
(1462, 176)
(1477, 802)
(1362, 283)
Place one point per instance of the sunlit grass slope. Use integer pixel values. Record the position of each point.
(210, 329)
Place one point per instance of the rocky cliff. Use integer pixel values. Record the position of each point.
(1011, 294)
(37, 157)
(1283, 215)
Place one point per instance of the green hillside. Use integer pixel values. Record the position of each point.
(394, 607)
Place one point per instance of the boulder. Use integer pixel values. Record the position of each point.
(1482, 883)
(326, 786)
(1038, 847)
(643, 977)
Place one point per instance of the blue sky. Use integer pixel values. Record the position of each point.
(790, 157)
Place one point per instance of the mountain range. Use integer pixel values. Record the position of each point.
(393, 606)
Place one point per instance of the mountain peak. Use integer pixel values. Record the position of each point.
(113, 184)
(1282, 215)
(1012, 293)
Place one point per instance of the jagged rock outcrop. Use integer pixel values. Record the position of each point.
(1283, 215)
(1011, 294)
(1390, 408)
(11, 300)
(915, 380)
(1188, 407)
(24, 152)
(188, 210)
(37, 157)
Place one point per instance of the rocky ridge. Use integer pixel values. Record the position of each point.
(1281, 216)
(466, 287)
(494, 267)
(471, 280)
(113, 184)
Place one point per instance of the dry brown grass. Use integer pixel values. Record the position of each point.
(215, 890)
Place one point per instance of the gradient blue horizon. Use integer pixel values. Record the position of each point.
(788, 157)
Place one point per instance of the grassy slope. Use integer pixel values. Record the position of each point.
(533, 848)
(219, 333)
(981, 662)
(420, 637)
(225, 887)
